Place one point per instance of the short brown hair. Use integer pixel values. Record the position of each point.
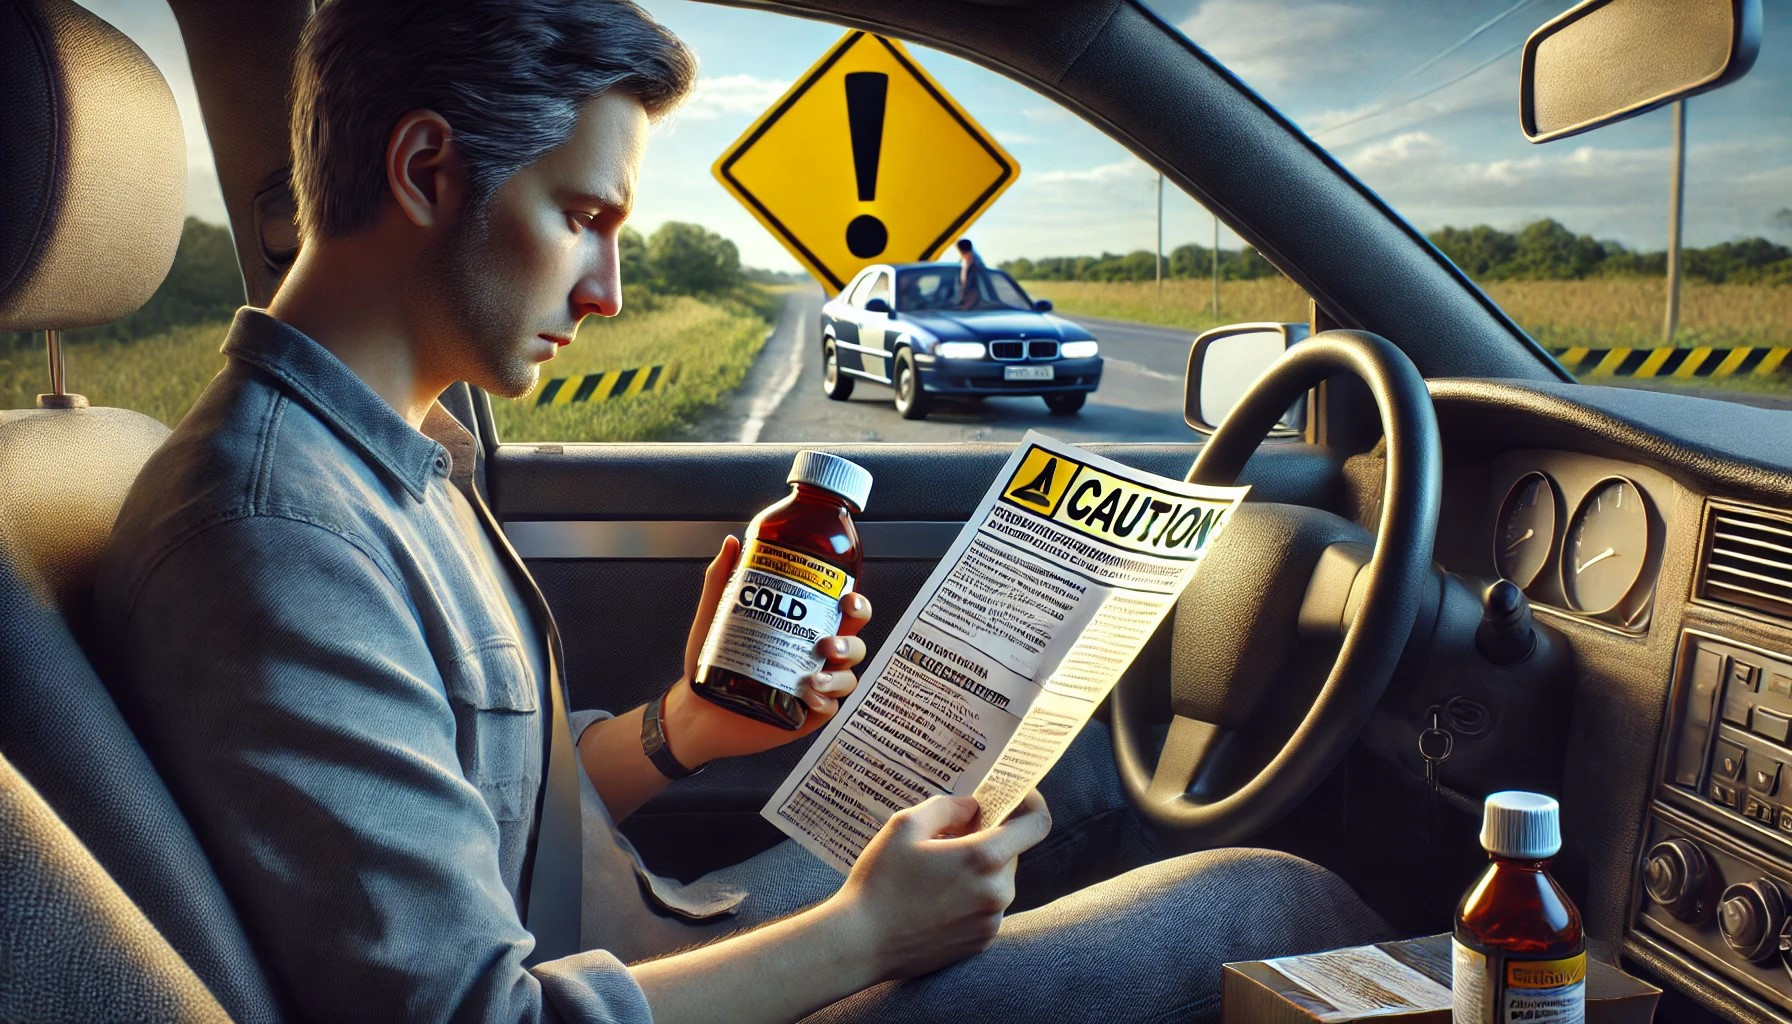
(509, 76)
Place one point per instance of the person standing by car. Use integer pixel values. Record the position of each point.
(344, 673)
(971, 274)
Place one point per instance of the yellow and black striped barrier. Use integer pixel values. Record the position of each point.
(1684, 363)
(606, 384)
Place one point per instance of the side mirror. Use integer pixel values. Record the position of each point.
(1605, 60)
(1222, 365)
(877, 306)
(1042, 305)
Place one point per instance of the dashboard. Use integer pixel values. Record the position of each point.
(1653, 535)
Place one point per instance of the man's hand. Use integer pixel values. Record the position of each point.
(698, 731)
(927, 895)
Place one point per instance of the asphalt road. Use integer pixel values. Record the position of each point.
(1140, 398)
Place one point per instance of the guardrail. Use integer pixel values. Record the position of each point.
(1755, 360)
(606, 384)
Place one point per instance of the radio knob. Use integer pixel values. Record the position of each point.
(1677, 875)
(1750, 916)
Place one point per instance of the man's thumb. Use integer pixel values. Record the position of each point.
(939, 815)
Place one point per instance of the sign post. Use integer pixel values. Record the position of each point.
(865, 159)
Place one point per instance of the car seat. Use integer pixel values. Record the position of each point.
(92, 200)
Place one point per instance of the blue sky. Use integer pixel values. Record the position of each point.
(1453, 156)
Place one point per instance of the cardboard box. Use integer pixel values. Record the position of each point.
(1405, 982)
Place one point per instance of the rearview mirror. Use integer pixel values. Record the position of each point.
(1222, 365)
(1605, 60)
(876, 306)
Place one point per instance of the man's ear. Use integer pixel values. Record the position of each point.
(423, 169)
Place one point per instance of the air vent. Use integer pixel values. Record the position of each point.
(1748, 559)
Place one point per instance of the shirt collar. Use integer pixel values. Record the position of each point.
(344, 401)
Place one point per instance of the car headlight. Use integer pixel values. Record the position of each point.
(1078, 349)
(960, 350)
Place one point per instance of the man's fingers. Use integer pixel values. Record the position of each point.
(1030, 823)
(937, 816)
(841, 652)
(855, 612)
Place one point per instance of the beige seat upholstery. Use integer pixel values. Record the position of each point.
(92, 198)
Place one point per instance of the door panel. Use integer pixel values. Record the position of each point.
(618, 536)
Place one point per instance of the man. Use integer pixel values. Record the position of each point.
(971, 274)
(346, 676)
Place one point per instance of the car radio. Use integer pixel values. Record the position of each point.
(1715, 881)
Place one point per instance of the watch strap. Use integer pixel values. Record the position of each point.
(653, 742)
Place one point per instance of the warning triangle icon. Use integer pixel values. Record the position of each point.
(1038, 491)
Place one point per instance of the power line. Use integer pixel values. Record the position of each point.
(1439, 87)
(1479, 31)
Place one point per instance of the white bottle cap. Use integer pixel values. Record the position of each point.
(1520, 825)
(832, 473)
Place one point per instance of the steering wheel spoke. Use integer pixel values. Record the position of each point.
(1188, 748)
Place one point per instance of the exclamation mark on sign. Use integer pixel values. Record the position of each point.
(866, 236)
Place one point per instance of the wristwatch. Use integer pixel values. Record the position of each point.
(653, 742)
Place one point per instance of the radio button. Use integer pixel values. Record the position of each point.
(1743, 675)
(1780, 684)
(1726, 762)
(1763, 775)
(1725, 795)
(1759, 811)
(1772, 724)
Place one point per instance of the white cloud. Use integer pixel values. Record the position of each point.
(1007, 138)
(1106, 174)
(1271, 42)
(744, 96)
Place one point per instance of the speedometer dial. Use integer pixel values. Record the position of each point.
(1607, 546)
(1526, 531)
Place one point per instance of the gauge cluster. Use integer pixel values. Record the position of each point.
(1580, 534)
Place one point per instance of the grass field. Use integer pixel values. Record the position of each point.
(1598, 313)
(712, 341)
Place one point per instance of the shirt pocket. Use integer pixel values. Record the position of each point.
(497, 725)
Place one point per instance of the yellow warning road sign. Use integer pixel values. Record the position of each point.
(865, 159)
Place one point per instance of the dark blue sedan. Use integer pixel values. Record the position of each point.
(906, 326)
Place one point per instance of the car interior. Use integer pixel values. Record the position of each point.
(1352, 608)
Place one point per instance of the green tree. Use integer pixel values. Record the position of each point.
(1482, 252)
(1547, 250)
(690, 259)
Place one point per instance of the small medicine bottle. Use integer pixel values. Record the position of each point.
(798, 559)
(1519, 954)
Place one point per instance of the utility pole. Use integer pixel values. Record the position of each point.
(1676, 205)
(1216, 267)
(1160, 235)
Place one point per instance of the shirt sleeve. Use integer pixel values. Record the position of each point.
(291, 701)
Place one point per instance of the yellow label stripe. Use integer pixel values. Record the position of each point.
(1653, 363)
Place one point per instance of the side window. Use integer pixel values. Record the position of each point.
(860, 292)
(880, 290)
(1076, 222)
(158, 359)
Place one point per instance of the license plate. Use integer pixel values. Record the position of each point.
(1027, 372)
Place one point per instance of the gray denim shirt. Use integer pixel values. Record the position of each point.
(321, 668)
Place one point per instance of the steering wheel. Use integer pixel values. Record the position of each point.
(1247, 621)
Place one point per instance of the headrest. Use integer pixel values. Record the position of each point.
(93, 170)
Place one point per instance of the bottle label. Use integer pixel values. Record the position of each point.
(1492, 988)
(777, 605)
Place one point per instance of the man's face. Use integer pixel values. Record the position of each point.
(511, 280)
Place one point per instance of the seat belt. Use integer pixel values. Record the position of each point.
(557, 861)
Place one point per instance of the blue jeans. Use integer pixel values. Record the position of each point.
(1102, 924)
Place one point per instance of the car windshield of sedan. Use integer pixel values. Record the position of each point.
(936, 288)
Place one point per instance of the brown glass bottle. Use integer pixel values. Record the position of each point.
(798, 558)
(1519, 953)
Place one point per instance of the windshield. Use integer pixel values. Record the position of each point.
(1571, 238)
(936, 288)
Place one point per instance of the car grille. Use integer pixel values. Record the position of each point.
(1016, 349)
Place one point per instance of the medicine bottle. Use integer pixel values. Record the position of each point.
(1519, 954)
(798, 559)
